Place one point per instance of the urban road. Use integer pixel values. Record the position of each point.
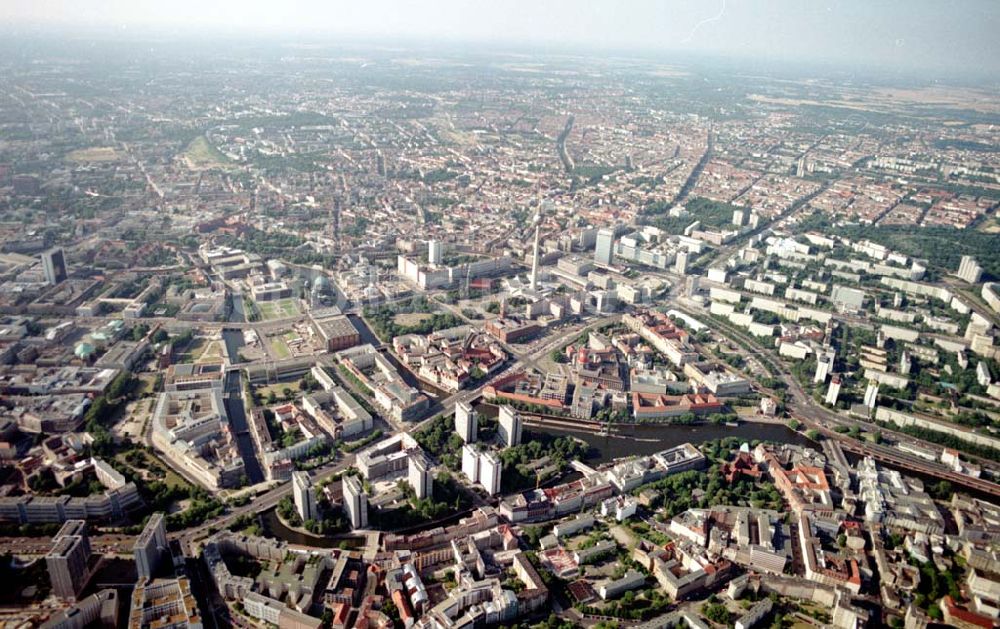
(802, 407)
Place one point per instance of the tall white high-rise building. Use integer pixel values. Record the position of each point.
(150, 546)
(355, 502)
(418, 474)
(435, 253)
(470, 462)
(489, 472)
(833, 393)
(824, 365)
(510, 426)
(871, 394)
(681, 262)
(466, 422)
(605, 245)
(905, 363)
(304, 496)
(969, 270)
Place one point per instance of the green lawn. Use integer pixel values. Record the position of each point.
(201, 154)
(282, 308)
(280, 348)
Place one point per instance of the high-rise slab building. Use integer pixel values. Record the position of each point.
(466, 422)
(304, 495)
(418, 474)
(489, 472)
(470, 462)
(54, 265)
(833, 393)
(150, 546)
(67, 562)
(871, 394)
(969, 270)
(681, 262)
(511, 426)
(435, 252)
(605, 245)
(355, 502)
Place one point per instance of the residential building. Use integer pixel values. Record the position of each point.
(68, 561)
(355, 502)
(150, 546)
(304, 495)
(605, 245)
(419, 476)
(466, 422)
(511, 426)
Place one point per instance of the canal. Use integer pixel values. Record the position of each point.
(271, 526)
(233, 400)
(234, 341)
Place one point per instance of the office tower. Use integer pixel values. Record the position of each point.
(833, 392)
(466, 422)
(470, 462)
(434, 252)
(871, 394)
(355, 502)
(418, 474)
(67, 562)
(605, 245)
(969, 270)
(681, 262)
(510, 426)
(304, 496)
(54, 265)
(150, 546)
(489, 472)
(824, 365)
(380, 164)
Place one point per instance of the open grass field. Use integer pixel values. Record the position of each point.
(411, 318)
(200, 154)
(280, 348)
(278, 309)
(93, 154)
(203, 350)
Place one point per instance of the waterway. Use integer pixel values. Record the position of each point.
(272, 526)
(236, 314)
(233, 400)
(367, 336)
(234, 341)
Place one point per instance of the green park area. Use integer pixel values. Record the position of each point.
(280, 309)
(201, 154)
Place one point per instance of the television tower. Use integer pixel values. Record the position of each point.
(534, 259)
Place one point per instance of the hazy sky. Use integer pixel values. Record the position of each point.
(938, 35)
